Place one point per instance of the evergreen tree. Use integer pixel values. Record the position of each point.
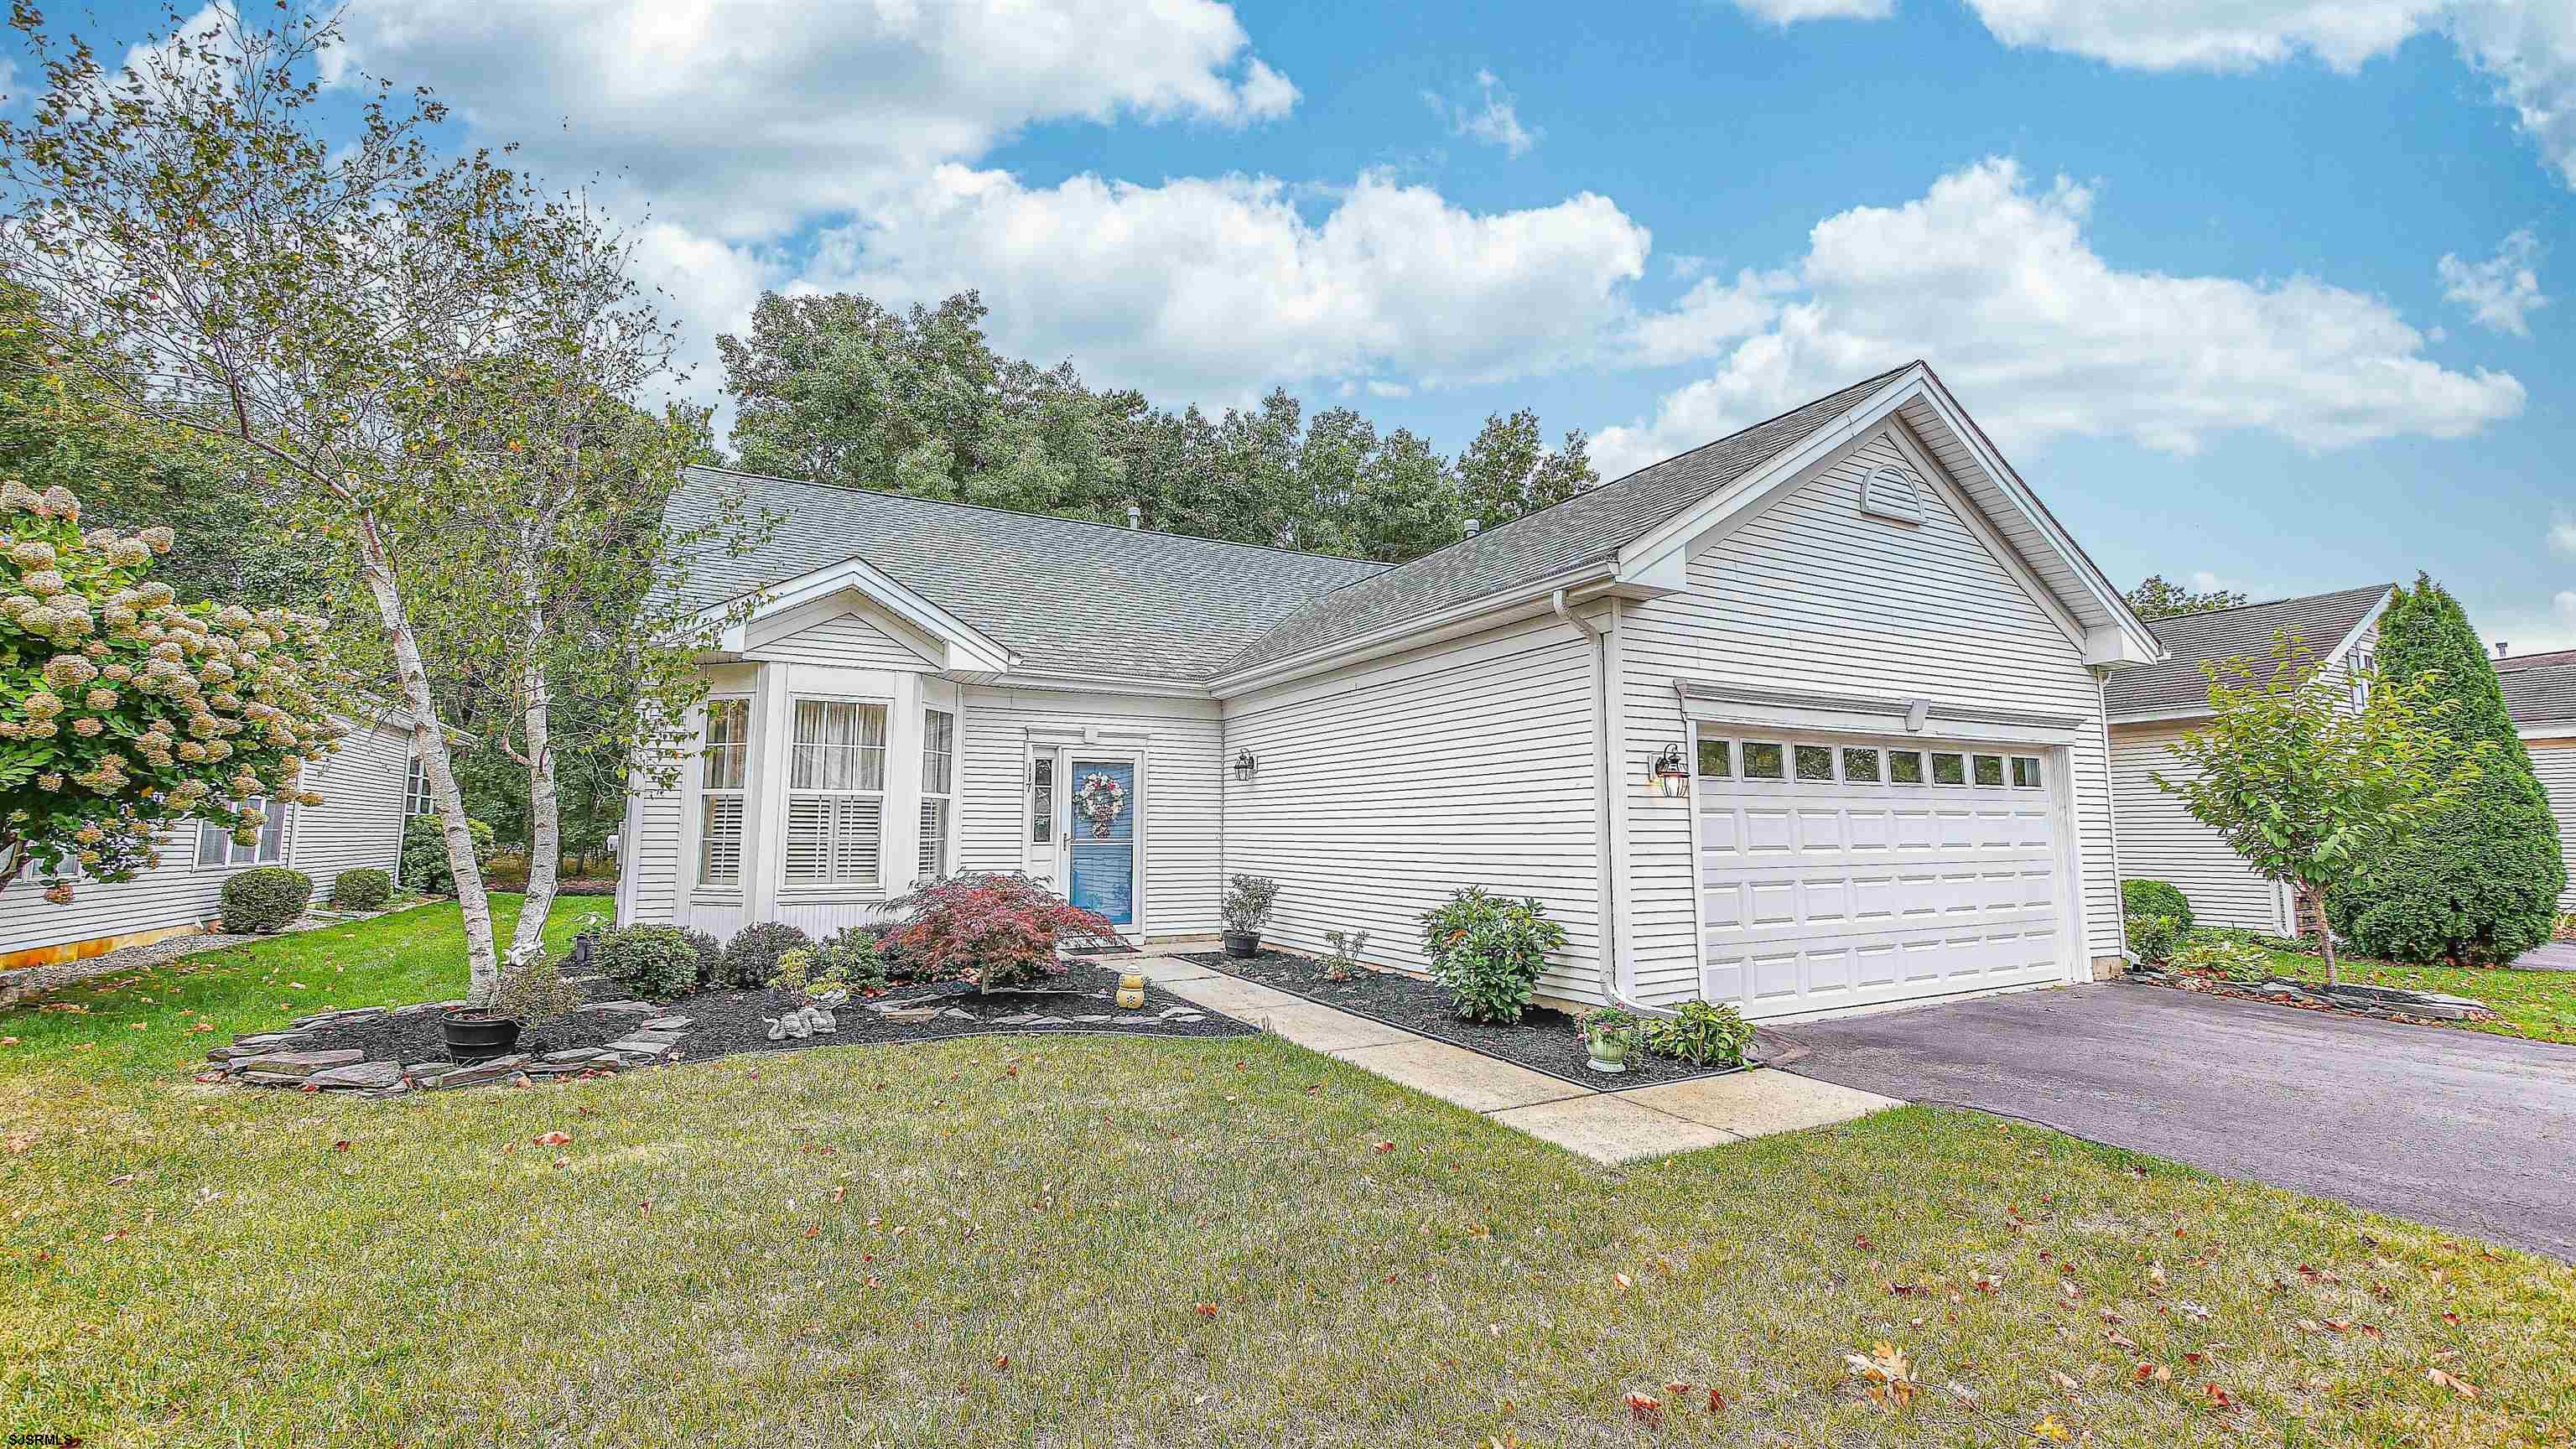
(2477, 882)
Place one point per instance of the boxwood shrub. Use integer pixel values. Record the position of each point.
(2154, 898)
(363, 889)
(655, 962)
(424, 853)
(267, 899)
(751, 958)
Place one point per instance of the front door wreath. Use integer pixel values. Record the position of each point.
(1100, 799)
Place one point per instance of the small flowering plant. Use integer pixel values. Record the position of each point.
(123, 710)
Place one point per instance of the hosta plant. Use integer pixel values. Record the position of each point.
(994, 928)
(123, 710)
(2236, 960)
(1701, 1034)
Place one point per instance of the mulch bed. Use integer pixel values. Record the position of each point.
(2385, 1003)
(1544, 1040)
(727, 1022)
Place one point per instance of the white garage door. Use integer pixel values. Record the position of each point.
(1837, 874)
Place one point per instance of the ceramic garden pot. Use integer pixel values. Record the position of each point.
(477, 1036)
(1609, 1047)
(1242, 945)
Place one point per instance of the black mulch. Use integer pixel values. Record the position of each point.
(724, 1022)
(1544, 1040)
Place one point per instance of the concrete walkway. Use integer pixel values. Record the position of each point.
(1606, 1126)
(2556, 956)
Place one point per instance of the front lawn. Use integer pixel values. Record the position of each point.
(1098, 1241)
(2538, 1004)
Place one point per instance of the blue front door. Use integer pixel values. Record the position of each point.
(1102, 841)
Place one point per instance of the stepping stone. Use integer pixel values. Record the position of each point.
(268, 1038)
(648, 1034)
(644, 1008)
(914, 1015)
(360, 1074)
(299, 1064)
(418, 1007)
(1094, 1016)
(641, 1048)
(667, 1023)
(470, 1076)
(576, 1055)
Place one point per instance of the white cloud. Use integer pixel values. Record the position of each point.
(2525, 48)
(2562, 533)
(1491, 119)
(2501, 291)
(1990, 279)
(743, 118)
(1789, 12)
(1211, 289)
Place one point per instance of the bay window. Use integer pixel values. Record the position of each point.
(938, 777)
(721, 771)
(836, 794)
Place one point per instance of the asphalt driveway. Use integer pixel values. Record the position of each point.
(2462, 1130)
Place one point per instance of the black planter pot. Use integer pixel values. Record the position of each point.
(1242, 945)
(477, 1036)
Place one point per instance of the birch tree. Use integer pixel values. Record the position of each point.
(307, 301)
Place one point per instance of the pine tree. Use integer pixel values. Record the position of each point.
(2478, 882)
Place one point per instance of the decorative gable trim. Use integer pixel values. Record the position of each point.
(1892, 493)
(967, 648)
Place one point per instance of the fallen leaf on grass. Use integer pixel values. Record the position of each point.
(340, 1146)
(2049, 1430)
(1885, 1375)
(2219, 1398)
(2453, 1382)
(1622, 1280)
(1646, 1409)
(554, 1139)
(2062, 1381)
(2151, 1372)
(1383, 1146)
(1205, 1310)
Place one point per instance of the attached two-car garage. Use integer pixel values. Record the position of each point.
(1846, 871)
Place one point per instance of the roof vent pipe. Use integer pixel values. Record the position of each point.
(1135, 516)
(2499, 648)
(1475, 526)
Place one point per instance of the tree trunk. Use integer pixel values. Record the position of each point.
(483, 968)
(545, 821)
(2325, 933)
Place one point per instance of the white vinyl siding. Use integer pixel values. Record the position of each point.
(2554, 763)
(358, 823)
(1813, 595)
(2160, 841)
(1379, 789)
(849, 640)
(836, 795)
(1181, 858)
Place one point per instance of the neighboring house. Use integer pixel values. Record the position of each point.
(2540, 694)
(2152, 707)
(365, 795)
(1869, 660)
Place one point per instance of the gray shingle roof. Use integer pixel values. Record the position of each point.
(1068, 596)
(2247, 632)
(1589, 527)
(2556, 657)
(2543, 694)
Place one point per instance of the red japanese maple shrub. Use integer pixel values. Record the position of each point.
(993, 928)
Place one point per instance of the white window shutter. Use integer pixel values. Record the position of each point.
(720, 834)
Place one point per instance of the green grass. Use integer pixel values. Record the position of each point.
(2540, 1005)
(1169, 1243)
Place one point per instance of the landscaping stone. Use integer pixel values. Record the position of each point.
(577, 1054)
(646, 1048)
(499, 1069)
(644, 1008)
(359, 1074)
(667, 1023)
(298, 1064)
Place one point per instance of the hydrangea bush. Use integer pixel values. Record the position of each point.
(123, 710)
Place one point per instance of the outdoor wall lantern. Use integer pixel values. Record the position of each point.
(1672, 770)
(1244, 765)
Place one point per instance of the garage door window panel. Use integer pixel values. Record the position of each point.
(1905, 767)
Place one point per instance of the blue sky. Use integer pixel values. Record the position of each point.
(2186, 259)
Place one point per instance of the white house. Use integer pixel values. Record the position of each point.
(2152, 707)
(2540, 695)
(367, 786)
(1807, 719)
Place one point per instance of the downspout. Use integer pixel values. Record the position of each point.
(1615, 957)
(2111, 815)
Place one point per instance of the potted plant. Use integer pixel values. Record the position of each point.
(1609, 1034)
(1248, 902)
(532, 993)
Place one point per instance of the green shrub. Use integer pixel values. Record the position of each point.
(1249, 899)
(853, 958)
(2154, 938)
(1702, 1034)
(1488, 951)
(2260, 940)
(750, 959)
(2238, 961)
(655, 962)
(424, 853)
(2477, 883)
(795, 972)
(363, 889)
(2154, 898)
(267, 899)
(533, 992)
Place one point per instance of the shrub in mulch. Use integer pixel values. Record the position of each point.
(363, 889)
(997, 928)
(267, 899)
(1543, 1039)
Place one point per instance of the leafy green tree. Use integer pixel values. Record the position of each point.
(2477, 882)
(1508, 471)
(1406, 503)
(123, 711)
(2158, 599)
(2310, 791)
